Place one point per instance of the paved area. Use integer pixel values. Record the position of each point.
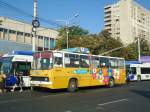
(134, 97)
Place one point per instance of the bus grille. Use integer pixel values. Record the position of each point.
(33, 78)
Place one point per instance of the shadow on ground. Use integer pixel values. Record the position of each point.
(144, 93)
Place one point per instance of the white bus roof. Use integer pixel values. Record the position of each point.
(140, 65)
(21, 58)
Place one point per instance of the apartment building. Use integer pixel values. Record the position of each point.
(127, 20)
(17, 35)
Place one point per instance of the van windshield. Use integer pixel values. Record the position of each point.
(6, 65)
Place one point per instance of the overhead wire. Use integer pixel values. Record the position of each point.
(49, 22)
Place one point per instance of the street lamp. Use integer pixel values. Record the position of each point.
(139, 49)
(67, 22)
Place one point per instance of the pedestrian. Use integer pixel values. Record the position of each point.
(19, 82)
(2, 83)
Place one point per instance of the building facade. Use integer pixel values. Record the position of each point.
(127, 20)
(17, 35)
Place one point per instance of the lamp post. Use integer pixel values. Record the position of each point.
(67, 22)
(139, 49)
(35, 25)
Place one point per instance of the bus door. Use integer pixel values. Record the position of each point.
(132, 73)
(58, 72)
(95, 70)
(83, 71)
(23, 69)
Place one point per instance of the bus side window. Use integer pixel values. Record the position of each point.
(95, 61)
(84, 61)
(71, 60)
(133, 70)
(104, 62)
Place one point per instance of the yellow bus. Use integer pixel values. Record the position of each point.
(75, 67)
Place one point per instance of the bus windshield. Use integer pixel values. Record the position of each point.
(42, 61)
(6, 64)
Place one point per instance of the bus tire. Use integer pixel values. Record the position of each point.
(72, 85)
(138, 78)
(111, 83)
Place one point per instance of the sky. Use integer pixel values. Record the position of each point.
(91, 12)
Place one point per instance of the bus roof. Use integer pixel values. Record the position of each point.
(147, 65)
(81, 53)
(90, 54)
(132, 62)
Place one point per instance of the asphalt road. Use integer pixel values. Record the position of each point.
(134, 97)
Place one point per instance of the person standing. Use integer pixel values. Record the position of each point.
(2, 83)
(19, 82)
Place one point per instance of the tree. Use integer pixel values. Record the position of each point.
(101, 43)
(74, 33)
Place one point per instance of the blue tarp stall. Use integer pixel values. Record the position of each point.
(30, 53)
(145, 59)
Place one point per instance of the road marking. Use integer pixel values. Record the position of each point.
(68, 111)
(115, 101)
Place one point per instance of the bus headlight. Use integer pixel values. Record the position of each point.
(46, 79)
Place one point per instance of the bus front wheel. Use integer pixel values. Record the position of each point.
(72, 86)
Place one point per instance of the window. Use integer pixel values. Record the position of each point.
(22, 67)
(52, 43)
(84, 61)
(20, 37)
(133, 70)
(1, 33)
(58, 60)
(112, 63)
(42, 61)
(45, 63)
(145, 70)
(121, 63)
(28, 38)
(95, 62)
(104, 62)
(46, 42)
(12, 35)
(6, 34)
(71, 60)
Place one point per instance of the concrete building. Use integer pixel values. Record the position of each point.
(127, 20)
(17, 35)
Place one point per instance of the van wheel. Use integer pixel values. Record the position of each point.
(139, 78)
(111, 83)
(72, 86)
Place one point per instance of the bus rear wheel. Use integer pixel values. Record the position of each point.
(111, 83)
(72, 86)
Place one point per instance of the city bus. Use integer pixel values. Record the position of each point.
(75, 67)
(139, 71)
(16, 62)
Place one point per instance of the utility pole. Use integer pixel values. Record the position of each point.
(139, 50)
(35, 24)
(67, 22)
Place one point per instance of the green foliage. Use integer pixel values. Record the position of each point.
(101, 43)
(74, 33)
